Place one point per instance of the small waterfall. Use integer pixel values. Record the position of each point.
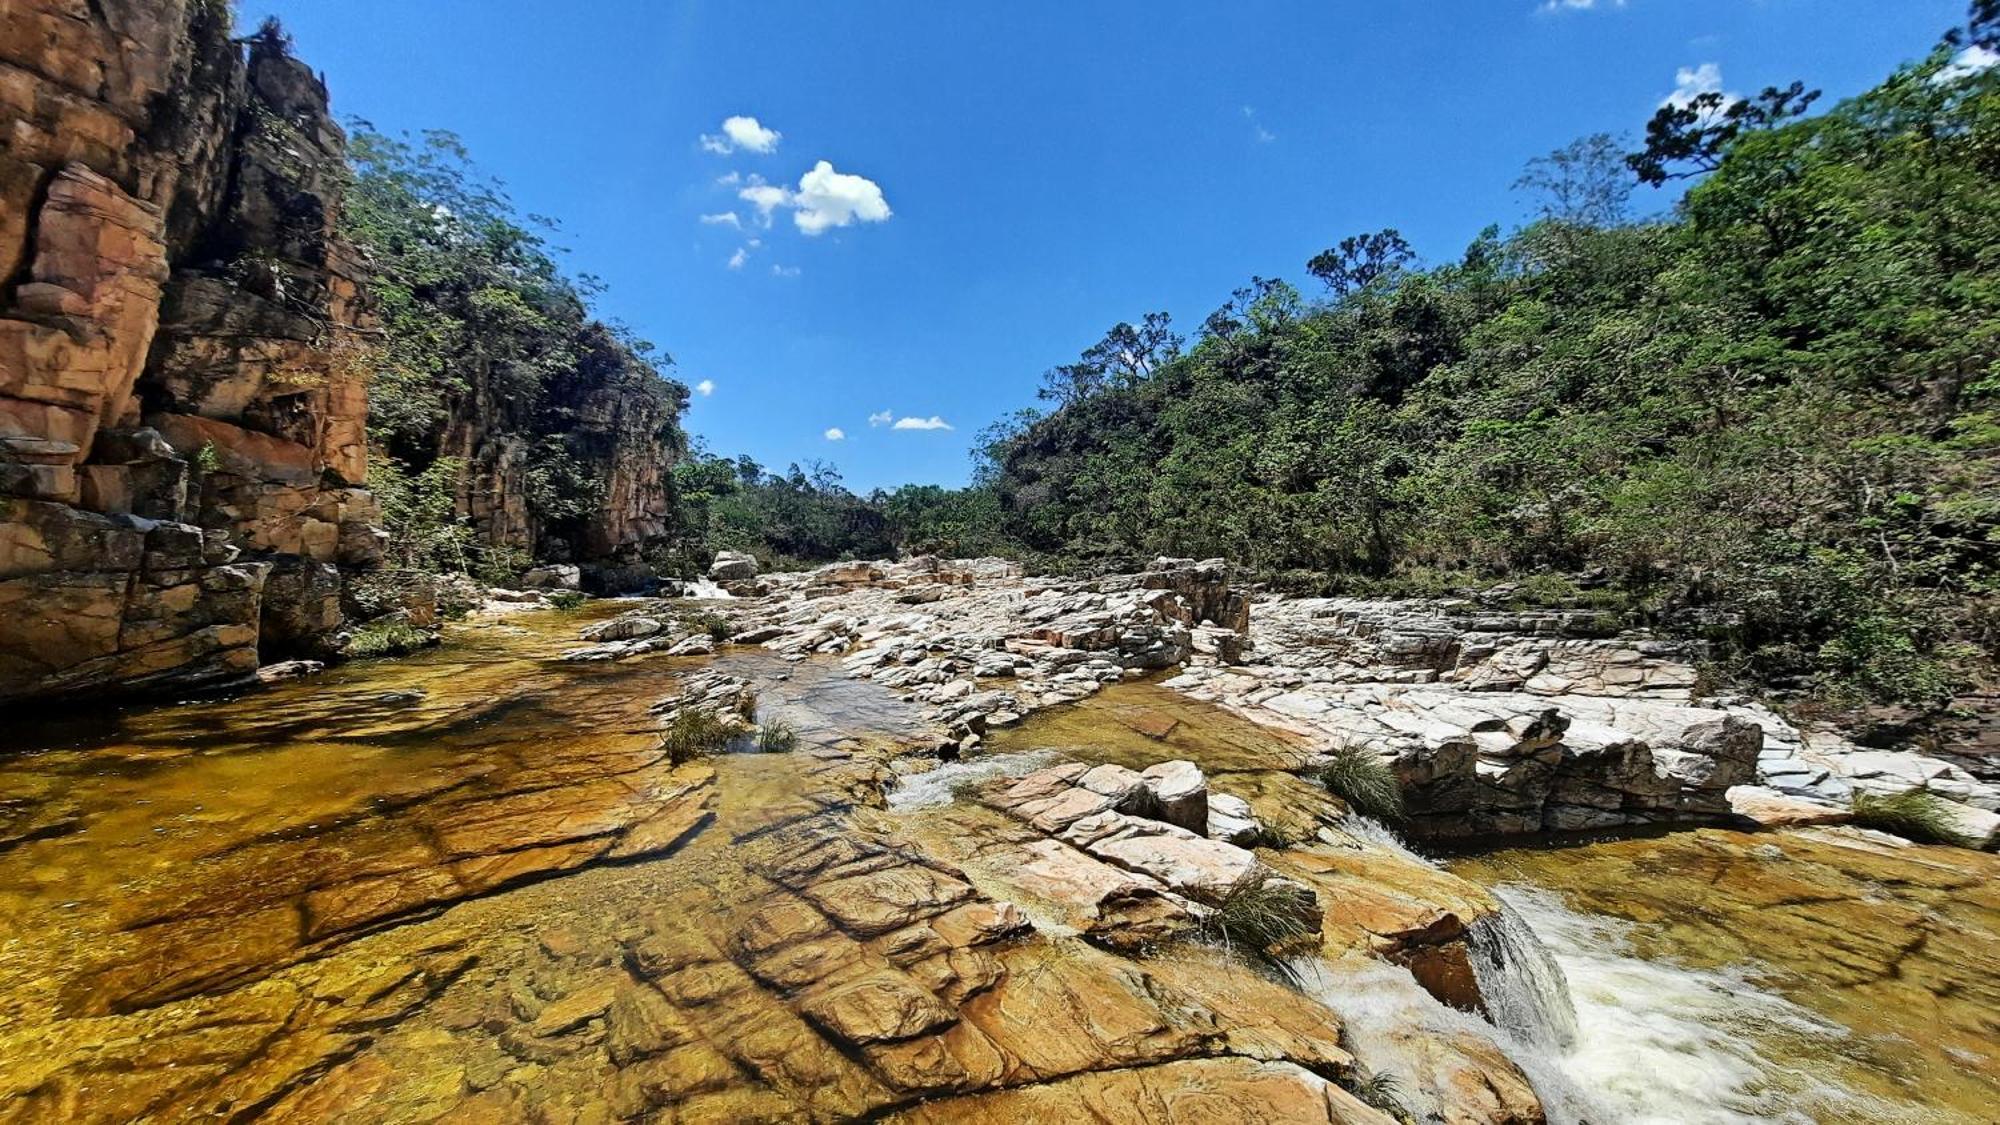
(705, 589)
(1525, 991)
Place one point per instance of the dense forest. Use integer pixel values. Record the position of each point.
(1767, 416)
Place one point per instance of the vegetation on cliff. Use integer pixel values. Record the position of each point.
(488, 351)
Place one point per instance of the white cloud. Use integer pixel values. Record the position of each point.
(881, 418)
(1690, 82)
(723, 219)
(827, 198)
(741, 132)
(931, 423)
(764, 197)
(1967, 63)
(1579, 5)
(737, 259)
(729, 179)
(835, 433)
(784, 271)
(705, 388)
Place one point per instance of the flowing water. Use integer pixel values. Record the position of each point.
(1816, 976)
(1707, 977)
(405, 889)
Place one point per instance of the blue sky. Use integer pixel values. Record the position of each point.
(1028, 173)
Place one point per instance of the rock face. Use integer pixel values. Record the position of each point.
(1495, 722)
(979, 644)
(181, 419)
(615, 421)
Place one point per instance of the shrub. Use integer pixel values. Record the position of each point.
(1915, 815)
(776, 737)
(1364, 781)
(716, 626)
(392, 637)
(1261, 918)
(695, 733)
(568, 599)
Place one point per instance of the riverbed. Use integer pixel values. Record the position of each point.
(467, 885)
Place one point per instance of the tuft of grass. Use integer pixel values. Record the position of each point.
(1364, 781)
(1378, 1089)
(695, 733)
(568, 599)
(776, 737)
(1915, 815)
(1260, 918)
(387, 638)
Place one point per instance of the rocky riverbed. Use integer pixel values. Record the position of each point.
(999, 875)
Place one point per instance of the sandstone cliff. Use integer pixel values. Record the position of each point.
(186, 346)
(182, 445)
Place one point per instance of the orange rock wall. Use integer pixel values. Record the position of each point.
(182, 410)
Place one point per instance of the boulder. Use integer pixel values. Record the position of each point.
(1773, 809)
(1179, 795)
(732, 566)
(627, 628)
(560, 576)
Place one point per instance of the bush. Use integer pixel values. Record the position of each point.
(716, 626)
(388, 638)
(695, 733)
(568, 599)
(1915, 815)
(776, 737)
(1364, 781)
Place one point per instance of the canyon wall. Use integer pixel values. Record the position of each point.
(185, 345)
(182, 427)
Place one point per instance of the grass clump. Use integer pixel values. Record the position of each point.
(568, 599)
(777, 737)
(1263, 918)
(1915, 815)
(388, 638)
(1378, 1089)
(694, 734)
(1364, 781)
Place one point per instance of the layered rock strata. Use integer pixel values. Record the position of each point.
(182, 454)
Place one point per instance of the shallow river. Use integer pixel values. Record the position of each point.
(423, 889)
